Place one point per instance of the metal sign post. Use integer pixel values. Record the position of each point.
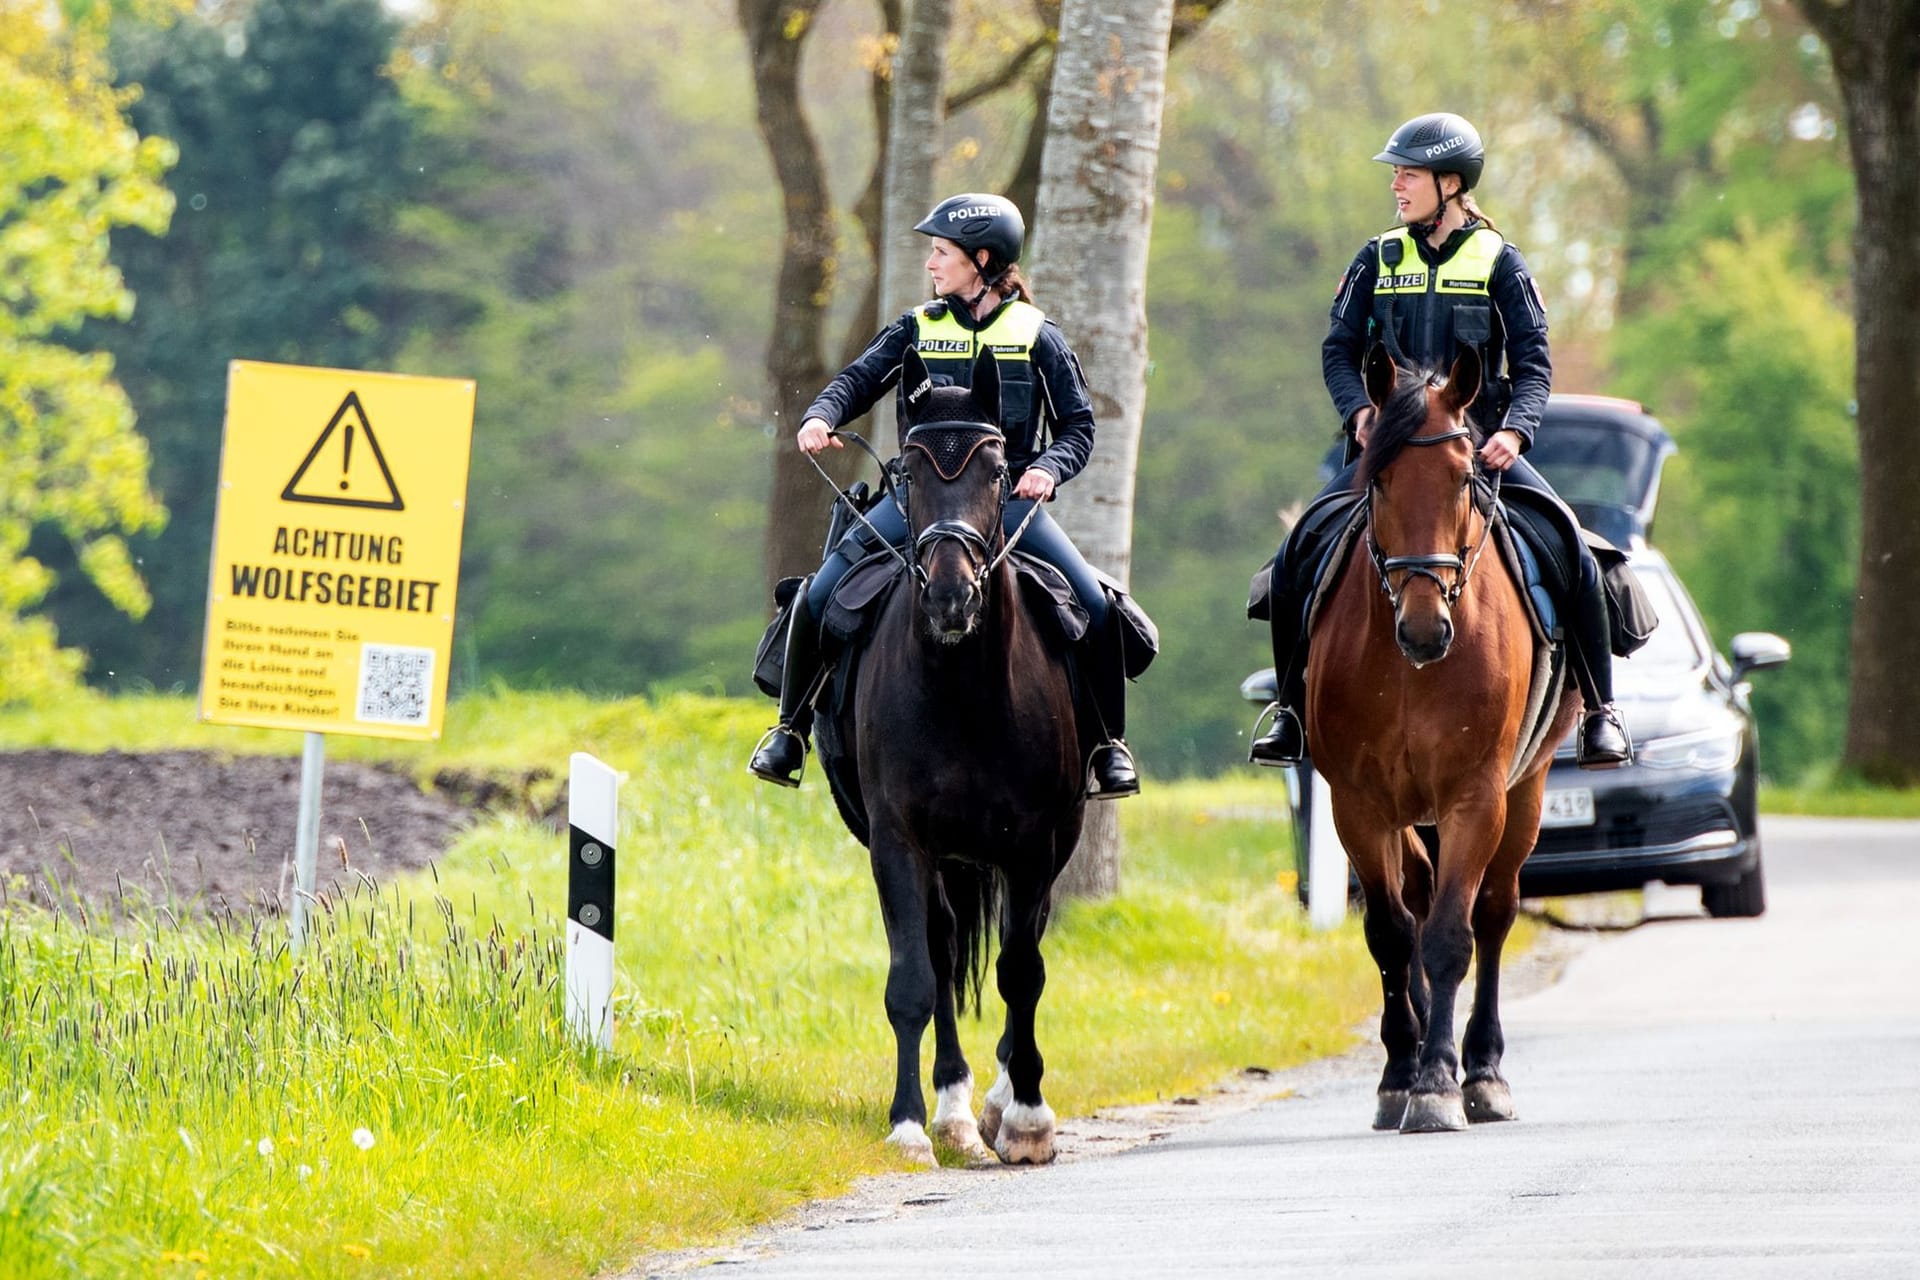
(306, 839)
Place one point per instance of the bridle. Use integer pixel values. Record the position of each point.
(950, 458)
(1431, 566)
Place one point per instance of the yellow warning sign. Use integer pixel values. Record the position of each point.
(336, 550)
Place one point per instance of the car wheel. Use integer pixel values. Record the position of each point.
(1743, 899)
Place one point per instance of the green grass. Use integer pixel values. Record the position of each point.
(184, 1099)
(1828, 795)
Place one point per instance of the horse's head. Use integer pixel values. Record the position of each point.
(1417, 469)
(955, 458)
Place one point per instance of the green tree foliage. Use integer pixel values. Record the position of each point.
(293, 164)
(605, 218)
(71, 168)
(1761, 512)
(1733, 320)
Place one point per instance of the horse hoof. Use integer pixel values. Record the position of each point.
(964, 1136)
(1390, 1108)
(911, 1141)
(1025, 1135)
(1434, 1113)
(1487, 1101)
(993, 1106)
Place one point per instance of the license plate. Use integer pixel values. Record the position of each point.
(1568, 807)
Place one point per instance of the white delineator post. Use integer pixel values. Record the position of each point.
(593, 813)
(1326, 858)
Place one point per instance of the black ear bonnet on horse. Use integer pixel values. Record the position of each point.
(949, 424)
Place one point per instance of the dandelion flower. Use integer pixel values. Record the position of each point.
(363, 1138)
(356, 1250)
(266, 1146)
(1223, 997)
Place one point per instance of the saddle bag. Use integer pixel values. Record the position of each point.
(770, 658)
(1630, 614)
(1260, 594)
(1139, 637)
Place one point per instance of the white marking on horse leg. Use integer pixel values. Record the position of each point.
(1026, 1134)
(998, 1099)
(913, 1143)
(953, 1121)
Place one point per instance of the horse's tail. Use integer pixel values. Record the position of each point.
(972, 894)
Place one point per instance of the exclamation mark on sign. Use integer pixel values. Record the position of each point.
(346, 456)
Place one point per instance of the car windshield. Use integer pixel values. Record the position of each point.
(1673, 644)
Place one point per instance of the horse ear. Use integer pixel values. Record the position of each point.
(1463, 380)
(986, 386)
(915, 383)
(1379, 373)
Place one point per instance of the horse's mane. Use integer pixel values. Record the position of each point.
(1396, 422)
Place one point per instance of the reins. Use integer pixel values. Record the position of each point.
(1429, 566)
(959, 531)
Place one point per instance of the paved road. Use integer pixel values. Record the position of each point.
(1699, 1098)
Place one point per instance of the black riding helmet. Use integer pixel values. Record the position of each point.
(976, 221)
(1440, 141)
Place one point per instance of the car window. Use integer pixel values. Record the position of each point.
(1594, 462)
(1674, 642)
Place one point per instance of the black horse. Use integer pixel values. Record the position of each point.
(959, 762)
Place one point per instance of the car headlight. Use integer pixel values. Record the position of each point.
(1708, 750)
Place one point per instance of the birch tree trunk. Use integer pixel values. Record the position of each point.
(1094, 215)
(914, 132)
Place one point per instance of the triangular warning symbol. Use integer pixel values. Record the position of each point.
(345, 467)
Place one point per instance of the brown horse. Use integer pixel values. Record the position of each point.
(1417, 709)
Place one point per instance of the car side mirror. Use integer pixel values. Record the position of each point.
(1757, 650)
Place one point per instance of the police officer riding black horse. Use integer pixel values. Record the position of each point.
(982, 305)
(1444, 277)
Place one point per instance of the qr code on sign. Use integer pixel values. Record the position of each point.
(396, 684)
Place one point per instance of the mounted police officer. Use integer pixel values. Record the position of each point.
(982, 303)
(1444, 276)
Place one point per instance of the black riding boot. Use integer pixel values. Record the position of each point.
(1111, 769)
(782, 752)
(1285, 741)
(1603, 741)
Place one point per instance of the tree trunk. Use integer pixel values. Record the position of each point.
(776, 32)
(1876, 59)
(1095, 214)
(914, 131)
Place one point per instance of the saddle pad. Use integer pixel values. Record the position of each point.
(856, 599)
(1326, 574)
(1523, 562)
(1050, 596)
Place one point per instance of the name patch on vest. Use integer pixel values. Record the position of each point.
(1007, 348)
(1476, 286)
(945, 344)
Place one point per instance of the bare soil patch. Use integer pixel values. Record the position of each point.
(200, 831)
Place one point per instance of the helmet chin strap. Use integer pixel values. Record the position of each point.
(1424, 230)
(971, 302)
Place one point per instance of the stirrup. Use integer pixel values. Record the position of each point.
(1281, 713)
(767, 770)
(1130, 786)
(1607, 758)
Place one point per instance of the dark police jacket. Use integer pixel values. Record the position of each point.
(1475, 288)
(1042, 386)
